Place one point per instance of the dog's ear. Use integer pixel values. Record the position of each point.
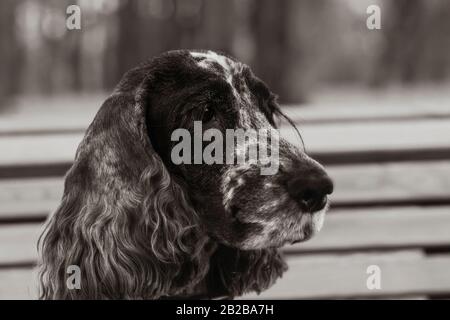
(234, 272)
(123, 220)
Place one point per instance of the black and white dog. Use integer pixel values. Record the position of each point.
(139, 226)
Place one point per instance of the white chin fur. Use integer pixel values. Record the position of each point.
(318, 219)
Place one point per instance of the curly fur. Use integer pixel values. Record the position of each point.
(124, 221)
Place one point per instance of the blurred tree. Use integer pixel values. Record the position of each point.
(218, 26)
(437, 45)
(11, 53)
(74, 57)
(403, 46)
(293, 45)
(269, 23)
(129, 35)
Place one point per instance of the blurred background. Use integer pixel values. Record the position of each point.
(296, 46)
(372, 105)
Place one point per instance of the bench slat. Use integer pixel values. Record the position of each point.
(353, 229)
(384, 228)
(321, 113)
(354, 186)
(37, 114)
(394, 137)
(76, 122)
(18, 243)
(373, 136)
(345, 277)
(26, 199)
(18, 284)
(407, 181)
(403, 274)
(80, 110)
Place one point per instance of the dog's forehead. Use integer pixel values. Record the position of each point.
(231, 71)
(210, 60)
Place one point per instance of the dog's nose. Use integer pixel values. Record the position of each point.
(310, 188)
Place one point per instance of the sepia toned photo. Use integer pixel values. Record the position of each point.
(245, 150)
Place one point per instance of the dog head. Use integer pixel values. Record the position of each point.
(239, 204)
(139, 224)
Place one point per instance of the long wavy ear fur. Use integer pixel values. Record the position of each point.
(123, 220)
(234, 272)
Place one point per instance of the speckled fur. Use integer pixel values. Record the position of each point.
(141, 227)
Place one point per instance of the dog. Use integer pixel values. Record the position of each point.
(139, 226)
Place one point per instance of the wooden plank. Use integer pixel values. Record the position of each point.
(347, 103)
(18, 243)
(48, 149)
(45, 123)
(403, 274)
(39, 115)
(27, 211)
(386, 228)
(76, 121)
(355, 186)
(372, 136)
(345, 276)
(18, 284)
(28, 199)
(321, 141)
(409, 227)
(332, 113)
(385, 184)
(73, 113)
(381, 156)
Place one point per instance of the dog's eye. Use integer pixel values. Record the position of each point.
(208, 115)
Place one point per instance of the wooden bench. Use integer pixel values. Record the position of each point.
(391, 205)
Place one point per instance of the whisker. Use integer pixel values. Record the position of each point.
(289, 120)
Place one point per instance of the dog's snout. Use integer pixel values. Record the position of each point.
(310, 189)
